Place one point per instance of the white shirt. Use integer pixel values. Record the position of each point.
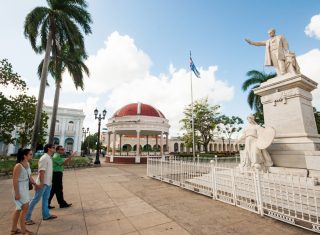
(45, 164)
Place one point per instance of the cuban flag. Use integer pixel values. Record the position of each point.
(194, 68)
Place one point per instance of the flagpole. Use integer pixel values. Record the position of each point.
(192, 118)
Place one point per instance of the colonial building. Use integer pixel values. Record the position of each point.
(142, 125)
(68, 131)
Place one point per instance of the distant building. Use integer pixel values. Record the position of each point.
(68, 131)
(139, 130)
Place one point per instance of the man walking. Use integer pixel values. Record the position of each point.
(43, 187)
(57, 185)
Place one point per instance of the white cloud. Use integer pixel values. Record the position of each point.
(313, 28)
(120, 74)
(309, 64)
(118, 62)
(170, 94)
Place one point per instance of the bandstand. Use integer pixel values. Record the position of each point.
(135, 132)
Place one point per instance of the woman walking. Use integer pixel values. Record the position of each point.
(21, 176)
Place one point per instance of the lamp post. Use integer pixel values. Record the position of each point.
(99, 117)
(85, 131)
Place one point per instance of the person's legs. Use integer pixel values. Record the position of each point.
(15, 218)
(53, 187)
(59, 188)
(33, 202)
(45, 198)
(23, 217)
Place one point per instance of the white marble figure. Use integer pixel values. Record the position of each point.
(255, 155)
(277, 53)
(291, 63)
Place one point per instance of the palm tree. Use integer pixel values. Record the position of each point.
(60, 22)
(65, 59)
(254, 81)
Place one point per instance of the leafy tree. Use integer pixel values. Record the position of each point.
(205, 121)
(17, 112)
(52, 26)
(91, 141)
(228, 126)
(254, 81)
(7, 76)
(8, 117)
(7, 120)
(66, 59)
(25, 107)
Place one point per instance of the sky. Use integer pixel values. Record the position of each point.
(139, 52)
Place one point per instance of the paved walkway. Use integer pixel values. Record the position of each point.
(121, 199)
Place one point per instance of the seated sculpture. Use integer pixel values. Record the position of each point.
(291, 63)
(257, 139)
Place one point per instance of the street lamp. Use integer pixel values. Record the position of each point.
(99, 117)
(85, 131)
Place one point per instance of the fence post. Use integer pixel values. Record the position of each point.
(213, 185)
(161, 178)
(233, 186)
(259, 193)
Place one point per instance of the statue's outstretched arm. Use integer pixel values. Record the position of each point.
(263, 43)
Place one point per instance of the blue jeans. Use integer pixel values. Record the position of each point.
(43, 193)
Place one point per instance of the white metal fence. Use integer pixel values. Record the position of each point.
(291, 199)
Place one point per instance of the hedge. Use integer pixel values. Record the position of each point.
(7, 164)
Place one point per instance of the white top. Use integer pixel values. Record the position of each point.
(45, 164)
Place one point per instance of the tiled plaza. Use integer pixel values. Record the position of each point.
(121, 199)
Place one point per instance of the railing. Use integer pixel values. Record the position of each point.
(291, 199)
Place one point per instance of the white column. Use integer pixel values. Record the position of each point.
(113, 146)
(167, 148)
(120, 149)
(137, 158)
(108, 146)
(161, 144)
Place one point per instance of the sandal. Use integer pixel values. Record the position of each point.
(27, 232)
(51, 217)
(30, 222)
(17, 231)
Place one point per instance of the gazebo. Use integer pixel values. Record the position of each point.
(136, 124)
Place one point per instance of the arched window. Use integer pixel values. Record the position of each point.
(126, 147)
(176, 147)
(68, 145)
(56, 141)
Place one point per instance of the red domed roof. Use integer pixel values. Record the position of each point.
(138, 109)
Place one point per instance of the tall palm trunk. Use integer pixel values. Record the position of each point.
(43, 82)
(54, 111)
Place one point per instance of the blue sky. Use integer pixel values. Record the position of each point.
(137, 46)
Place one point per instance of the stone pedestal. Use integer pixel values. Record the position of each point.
(288, 109)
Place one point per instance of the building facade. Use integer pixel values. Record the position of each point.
(68, 130)
(142, 125)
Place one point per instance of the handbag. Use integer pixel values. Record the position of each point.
(30, 185)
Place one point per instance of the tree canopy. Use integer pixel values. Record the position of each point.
(205, 121)
(17, 111)
(228, 126)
